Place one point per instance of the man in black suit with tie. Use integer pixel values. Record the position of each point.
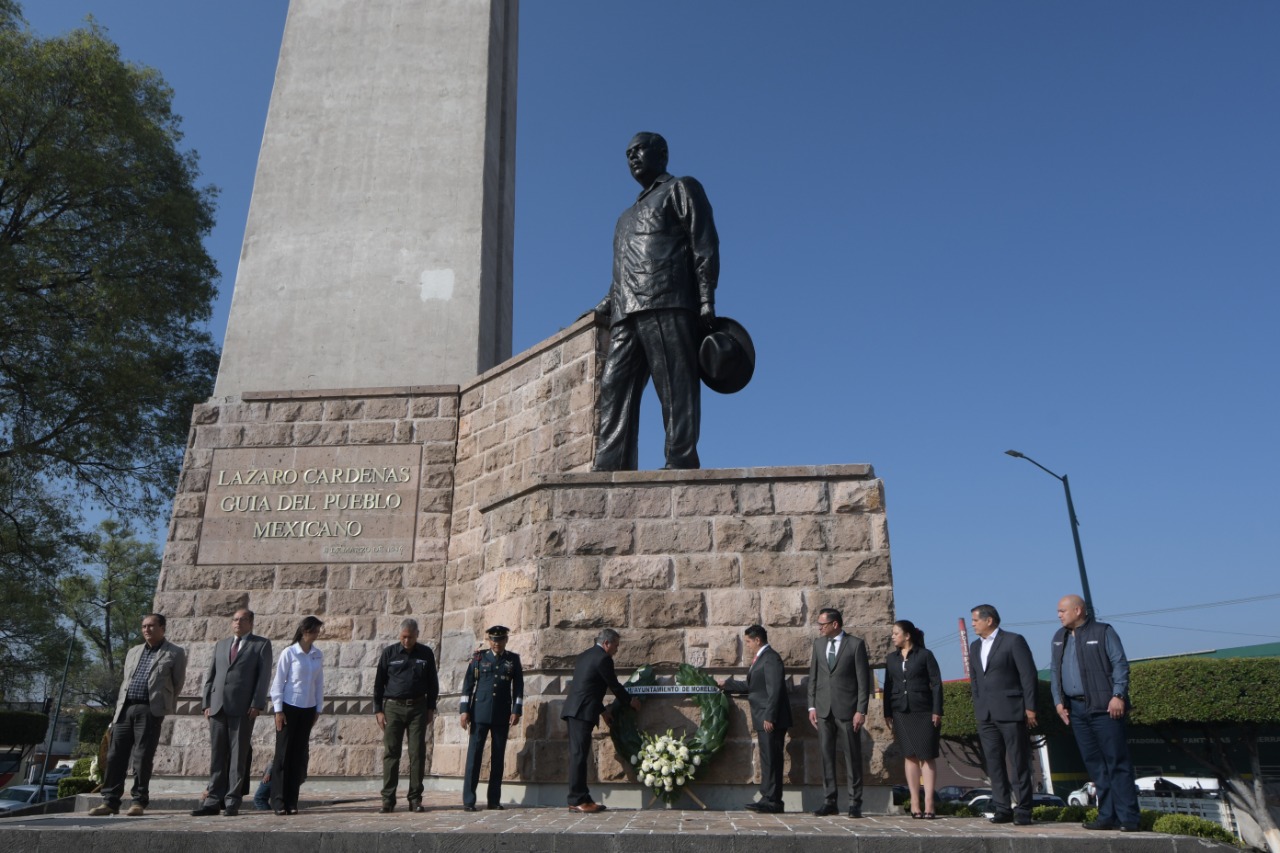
(839, 688)
(1002, 677)
(593, 674)
(233, 695)
(766, 690)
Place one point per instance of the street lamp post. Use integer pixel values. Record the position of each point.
(1075, 528)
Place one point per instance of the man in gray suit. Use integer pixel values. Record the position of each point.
(1002, 678)
(234, 694)
(766, 689)
(154, 672)
(839, 688)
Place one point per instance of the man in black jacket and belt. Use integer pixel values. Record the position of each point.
(666, 263)
(1091, 694)
(593, 674)
(405, 691)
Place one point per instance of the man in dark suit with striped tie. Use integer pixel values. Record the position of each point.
(839, 689)
(233, 695)
(1002, 678)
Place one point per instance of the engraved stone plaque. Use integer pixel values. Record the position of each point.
(353, 504)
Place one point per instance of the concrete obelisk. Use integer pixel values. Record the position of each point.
(378, 245)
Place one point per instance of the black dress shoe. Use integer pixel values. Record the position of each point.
(280, 812)
(1022, 820)
(469, 808)
(387, 808)
(771, 808)
(1004, 817)
(824, 810)
(754, 807)
(855, 811)
(205, 811)
(1098, 824)
(231, 812)
(1131, 829)
(496, 807)
(415, 806)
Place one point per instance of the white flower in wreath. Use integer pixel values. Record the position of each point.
(697, 761)
(680, 781)
(666, 783)
(649, 780)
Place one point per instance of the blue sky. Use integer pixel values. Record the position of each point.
(952, 229)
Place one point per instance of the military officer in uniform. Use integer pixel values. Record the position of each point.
(492, 694)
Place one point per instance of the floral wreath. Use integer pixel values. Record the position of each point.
(666, 763)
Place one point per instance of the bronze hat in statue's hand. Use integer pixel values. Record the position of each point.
(726, 357)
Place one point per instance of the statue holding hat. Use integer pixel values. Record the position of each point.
(492, 696)
(661, 313)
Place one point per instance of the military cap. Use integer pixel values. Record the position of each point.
(498, 632)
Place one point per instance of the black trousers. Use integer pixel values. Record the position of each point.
(293, 751)
(833, 734)
(481, 732)
(662, 344)
(770, 745)
(1001, 740)
(579, 752)
(133, 744)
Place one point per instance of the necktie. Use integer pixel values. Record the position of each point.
(831, 653)
(235, 647)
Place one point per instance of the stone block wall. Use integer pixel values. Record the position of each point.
(679, 562)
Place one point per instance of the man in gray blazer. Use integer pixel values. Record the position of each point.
(766, 689)
(1002, 678)
(839, 688)
(154, 672)
(234, 694)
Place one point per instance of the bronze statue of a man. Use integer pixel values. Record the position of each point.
(666, 261)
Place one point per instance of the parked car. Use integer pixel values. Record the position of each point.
(1195, 785)
(982, 803)
(21, 796)
(1086, 796)
(951, 793)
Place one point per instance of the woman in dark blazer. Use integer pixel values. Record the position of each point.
(913, 710)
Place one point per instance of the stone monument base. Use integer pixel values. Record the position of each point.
(467, 506)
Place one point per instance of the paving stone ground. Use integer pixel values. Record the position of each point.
(352, 824)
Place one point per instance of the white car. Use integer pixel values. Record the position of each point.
(1085, 796)
(21, 796)
(1148, 785)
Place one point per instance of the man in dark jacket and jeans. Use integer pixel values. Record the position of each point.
(1091, 695)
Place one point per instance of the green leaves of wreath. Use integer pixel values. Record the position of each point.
(630, 741)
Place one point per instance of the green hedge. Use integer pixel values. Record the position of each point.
(93, 725)
(80, 770)
(23, 728)
(69, 786)
(955, 808)
(1230, 691)
(1185, 824)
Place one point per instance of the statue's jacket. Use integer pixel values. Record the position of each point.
(666, 253)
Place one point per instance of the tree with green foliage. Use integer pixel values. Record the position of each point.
(105, 293)
(960, 728)
(106, 603)
(1229, 703)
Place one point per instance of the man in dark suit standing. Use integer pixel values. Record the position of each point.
(1002, 677)
(593, 674)
(839, 688)
(233, 695)
(492, 697)
(766, 690)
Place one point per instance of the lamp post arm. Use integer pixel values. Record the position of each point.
(1075, 535)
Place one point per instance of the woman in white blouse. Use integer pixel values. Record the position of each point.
(297, 693)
